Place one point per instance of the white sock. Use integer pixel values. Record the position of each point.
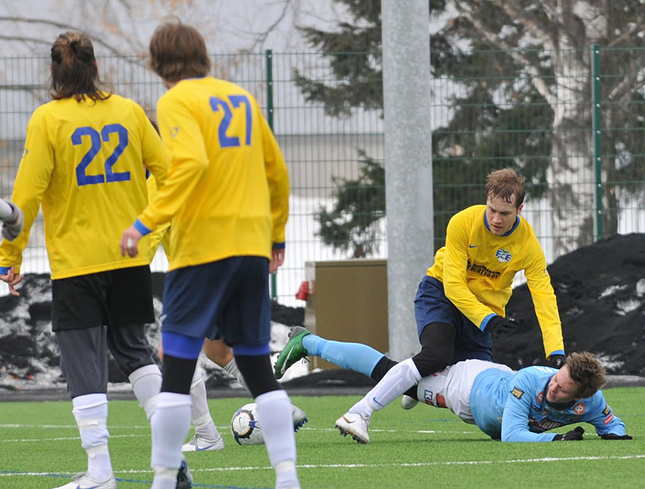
(395, 382)
(286, 475)
(164, 479)
(276, 420)
(200, 414)
(170, 424)
(90, 412)
(231, 368)
(146, 384)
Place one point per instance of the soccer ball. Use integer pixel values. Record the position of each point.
(246, 428)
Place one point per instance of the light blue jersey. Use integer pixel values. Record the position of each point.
(521, 398)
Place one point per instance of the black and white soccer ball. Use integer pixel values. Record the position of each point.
(246, 428)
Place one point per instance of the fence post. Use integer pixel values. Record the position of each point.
(596, 112)
(268, 56)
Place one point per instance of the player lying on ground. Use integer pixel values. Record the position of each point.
(506, 405)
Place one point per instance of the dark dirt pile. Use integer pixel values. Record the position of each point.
(601, 299)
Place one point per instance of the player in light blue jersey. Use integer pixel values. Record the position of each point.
(506, 405)
(522, 406)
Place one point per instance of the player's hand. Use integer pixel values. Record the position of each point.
(13, 224)
(573, 435)
(277, 259)
(557, 361)
(612, 436)
(130, 242)
(498, 325)
(12, 279)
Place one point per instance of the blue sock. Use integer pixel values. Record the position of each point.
(351, 356)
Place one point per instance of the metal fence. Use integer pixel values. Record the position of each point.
(576, 133)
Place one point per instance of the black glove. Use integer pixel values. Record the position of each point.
(611, 436)
(498, 325)
(571, 435)
(12, 224)
(557, 361)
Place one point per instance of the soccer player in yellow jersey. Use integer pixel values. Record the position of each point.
(85, 160)
(461, 301)
(227, 195)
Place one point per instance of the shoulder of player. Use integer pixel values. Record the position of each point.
(535, 373)
(471, 214)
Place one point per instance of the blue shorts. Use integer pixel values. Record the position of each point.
(432, 306)
(226, 299)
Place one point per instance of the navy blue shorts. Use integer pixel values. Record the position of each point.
(226, 299)
(432, 306)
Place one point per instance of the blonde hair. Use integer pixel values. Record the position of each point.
(507, 185)
(73, 70)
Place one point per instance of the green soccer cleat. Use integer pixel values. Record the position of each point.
(293, 351)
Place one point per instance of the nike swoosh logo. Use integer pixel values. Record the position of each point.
(374, 399)
(284, 365)
(197, 449)
(473, 246)
(93, 487)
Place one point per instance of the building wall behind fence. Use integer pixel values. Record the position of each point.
(318, 148)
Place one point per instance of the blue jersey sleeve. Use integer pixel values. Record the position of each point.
(602, 417)
(517, 410)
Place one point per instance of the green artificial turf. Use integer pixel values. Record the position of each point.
(422, 448)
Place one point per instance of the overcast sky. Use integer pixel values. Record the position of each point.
(227, 25)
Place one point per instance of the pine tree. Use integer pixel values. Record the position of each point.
(521, 73)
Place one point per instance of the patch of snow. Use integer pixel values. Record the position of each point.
(640, 287)
(609, 362)
(611, 290)
(629, 305)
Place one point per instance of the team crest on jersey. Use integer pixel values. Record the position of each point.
(441, 401)
(607, 410)
(540, 397)
(517, 392)
(427, 397)
(503, 256)
(579, 408)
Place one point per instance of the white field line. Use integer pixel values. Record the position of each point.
(368, 466)
(220, 428)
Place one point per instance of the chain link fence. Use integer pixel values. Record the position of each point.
(577, 135)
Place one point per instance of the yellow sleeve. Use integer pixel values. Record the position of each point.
(278, 180)
(32, 180)
(185, 143)
(161, 235)
(544, 300)
(455, 268)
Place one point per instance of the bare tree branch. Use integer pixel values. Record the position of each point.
(536, 80)
(528, 20)
(64, 26)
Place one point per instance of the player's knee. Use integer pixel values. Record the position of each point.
(217, 351)
(430, 360)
